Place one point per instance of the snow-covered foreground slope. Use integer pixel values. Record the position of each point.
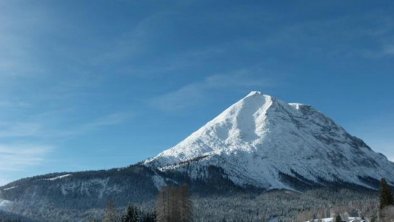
(263, 142)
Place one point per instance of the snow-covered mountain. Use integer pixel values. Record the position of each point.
(263, 142)
(260, 143)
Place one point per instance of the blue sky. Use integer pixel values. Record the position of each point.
(99, 84)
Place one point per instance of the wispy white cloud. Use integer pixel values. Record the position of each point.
(388, 50)
(8, 130)
(132, 42)
(99, 123)
(109, 120)
(13, 104)
(41, 129)
(19, 28)
(191, 94)
(19, 157)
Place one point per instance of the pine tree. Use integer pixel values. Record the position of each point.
(149, 217)
(338, 218)
(132, 214)
(374, 218)
(386, 197)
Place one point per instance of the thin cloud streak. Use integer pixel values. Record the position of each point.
(19, 157)
(189, 95)
(102, 122)
(13, 104)
(388, 50)
(19, 130)
(19, 28)
(40, 129)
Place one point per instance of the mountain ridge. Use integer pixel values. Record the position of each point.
(263, 126)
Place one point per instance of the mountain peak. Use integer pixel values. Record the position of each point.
(257, 94)
(259, 139)
(252, 93)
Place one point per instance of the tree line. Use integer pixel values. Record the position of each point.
(381, 211)
(386, 199)
(173, 204)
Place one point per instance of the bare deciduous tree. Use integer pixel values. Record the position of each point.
(174, 205)
(387, 214)
(110, 212)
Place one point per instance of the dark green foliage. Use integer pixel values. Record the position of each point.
(132, 214)
(149, 217)
(386, 197)
(338, 218)
(374, 218)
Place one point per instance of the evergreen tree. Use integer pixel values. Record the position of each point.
(374, 218)
(149, 217)
(386, 197)
(132, 214)
(338, 218)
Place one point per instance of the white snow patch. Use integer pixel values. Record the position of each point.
(90, 187)
(10, 188)
(5, 203)
(59, 177)
(331, 219)
(158, 181)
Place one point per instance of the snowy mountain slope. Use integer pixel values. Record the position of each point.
(79, 196)
(69, 196)
(261, 141)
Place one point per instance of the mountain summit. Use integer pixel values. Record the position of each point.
(263, 142)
